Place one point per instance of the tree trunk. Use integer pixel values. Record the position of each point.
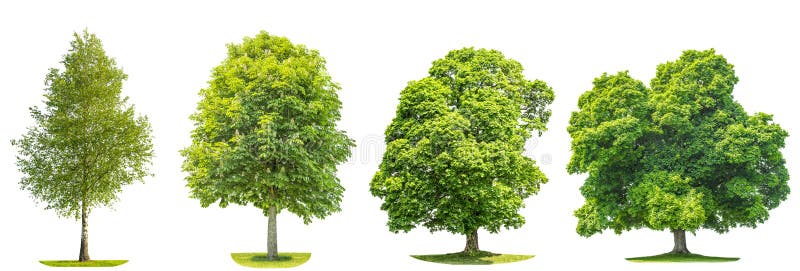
(84, 253)
(680, 242)
(272, 235)
(472, 243)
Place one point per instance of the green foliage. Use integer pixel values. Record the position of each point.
(477, 258)
(454, 150)
(682, 154)
(265, 131)
(87, 142)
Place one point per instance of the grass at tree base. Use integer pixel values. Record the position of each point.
(476, 258)
(259, 259)
(681, 258)
(95, 263)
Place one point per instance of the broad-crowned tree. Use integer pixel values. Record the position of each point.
(681, 155)
(454, 150)
(265, 133)
(87, 141)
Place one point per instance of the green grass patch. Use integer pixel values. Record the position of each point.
(478, 258)
(97, 263)
(681, 258)
(259, 259)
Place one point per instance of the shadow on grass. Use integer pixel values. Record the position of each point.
(478, 258)
(259, 259)
(681, 258)
(96, 263)
(266, 259)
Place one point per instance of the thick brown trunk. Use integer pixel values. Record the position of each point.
(679, 237)
(272, 234)
(84, 253)
(472, 243)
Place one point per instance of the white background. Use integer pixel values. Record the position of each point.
(373, 50)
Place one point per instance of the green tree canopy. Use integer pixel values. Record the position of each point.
(87, 142)
(265, 133)
(681, 155)
(454, 150)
